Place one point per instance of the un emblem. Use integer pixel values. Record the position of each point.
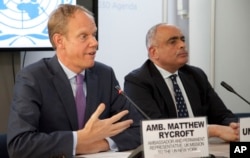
(24, 23)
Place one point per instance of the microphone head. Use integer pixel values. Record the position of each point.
(229, 88)
(118, 88)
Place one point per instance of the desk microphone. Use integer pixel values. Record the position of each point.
(230, 89)
(138, 152)
(131, 101)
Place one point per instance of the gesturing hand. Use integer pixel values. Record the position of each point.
(97, 130)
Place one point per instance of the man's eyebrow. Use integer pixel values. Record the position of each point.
(175, 38)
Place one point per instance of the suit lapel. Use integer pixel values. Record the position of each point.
(64, 90)
(191, 91)
(92, 92)
(162, 87)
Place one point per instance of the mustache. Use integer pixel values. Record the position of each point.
(181, 52)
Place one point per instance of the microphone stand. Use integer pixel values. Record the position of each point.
(138, 152)
(242, 98)
(230, 89)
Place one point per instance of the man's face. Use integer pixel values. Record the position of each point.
(79, 45)
(169, 48)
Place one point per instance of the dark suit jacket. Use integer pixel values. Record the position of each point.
(43, 112)
(147, 88)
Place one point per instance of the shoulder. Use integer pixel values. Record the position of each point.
(101, 66)
(101, 69)
(142, 71)
(37, 67)
(193, 70)
(196, 74)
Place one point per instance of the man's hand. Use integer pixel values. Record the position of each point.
(96, 130)
(227, 133)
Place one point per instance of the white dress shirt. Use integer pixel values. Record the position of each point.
(165, 74)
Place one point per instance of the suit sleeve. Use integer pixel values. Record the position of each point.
(24, 137)
(213, 106)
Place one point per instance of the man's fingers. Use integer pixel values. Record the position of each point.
(118, 116)
(98, 111)
(234, 125)
(113, 119)
(120, 126)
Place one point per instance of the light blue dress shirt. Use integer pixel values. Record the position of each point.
(71, 76)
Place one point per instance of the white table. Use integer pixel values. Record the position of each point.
(217, 147)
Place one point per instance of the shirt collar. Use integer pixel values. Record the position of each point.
(70, 74)
(164, 73)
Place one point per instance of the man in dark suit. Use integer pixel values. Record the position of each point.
(151, 88)
(43, 120)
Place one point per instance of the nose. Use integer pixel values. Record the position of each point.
(93, 42)
(182, 44)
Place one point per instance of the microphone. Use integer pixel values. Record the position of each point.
(138, 152)
(131, 101)
(230, 89)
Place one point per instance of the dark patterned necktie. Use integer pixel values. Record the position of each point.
(180, 102)
(80, 99)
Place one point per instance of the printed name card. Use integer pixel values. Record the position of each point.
(244, 129)
(178, 138)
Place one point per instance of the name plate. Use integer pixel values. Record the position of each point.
(178, 138)
(244, 130)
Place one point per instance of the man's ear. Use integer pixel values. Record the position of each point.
(58, 40)
(153, 52)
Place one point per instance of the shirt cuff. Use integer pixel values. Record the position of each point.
(74, 142)
(112, 144)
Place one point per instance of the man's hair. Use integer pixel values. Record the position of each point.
(59, 18)
(150, 37)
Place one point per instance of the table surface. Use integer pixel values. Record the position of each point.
(217, 147)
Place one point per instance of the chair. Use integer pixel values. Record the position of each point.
(3, 146)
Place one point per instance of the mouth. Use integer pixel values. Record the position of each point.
(181, 53)
(185, 53)
(90, 53)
